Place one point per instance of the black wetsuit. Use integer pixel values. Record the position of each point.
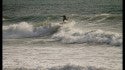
(64, 18)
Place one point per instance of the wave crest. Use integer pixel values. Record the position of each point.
(73, 35)
(65, 33)
(25, 29)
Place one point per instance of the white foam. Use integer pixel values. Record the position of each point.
(25, 29)
(66, 34)
(70, 34)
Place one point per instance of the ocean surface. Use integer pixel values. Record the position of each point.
(34, 39)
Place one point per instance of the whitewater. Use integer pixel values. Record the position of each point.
(60, 46)
(65, 33)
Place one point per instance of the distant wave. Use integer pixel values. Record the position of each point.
(4, 19)
(104, 17)
(56, 17)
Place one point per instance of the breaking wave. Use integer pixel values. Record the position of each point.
(65, 33)
(70, 34)
(25, 29)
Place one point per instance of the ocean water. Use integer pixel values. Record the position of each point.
(34, 39)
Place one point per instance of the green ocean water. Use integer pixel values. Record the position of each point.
(40, 10)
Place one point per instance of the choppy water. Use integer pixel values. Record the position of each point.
(33, 37)
(32, 10)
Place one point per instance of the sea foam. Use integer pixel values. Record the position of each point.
(70, 34)
(65, 33)
(25, 29)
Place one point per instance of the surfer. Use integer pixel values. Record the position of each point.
(64, 18)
